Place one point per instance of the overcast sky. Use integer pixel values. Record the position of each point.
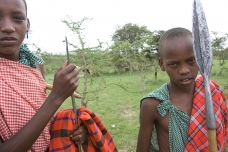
(48, 31)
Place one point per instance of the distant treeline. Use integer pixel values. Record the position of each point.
(134, 48)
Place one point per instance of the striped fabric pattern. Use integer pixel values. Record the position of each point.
(98, 140)
(197, 132)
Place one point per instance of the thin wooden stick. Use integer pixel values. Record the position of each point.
(212, 140)
(76, 95)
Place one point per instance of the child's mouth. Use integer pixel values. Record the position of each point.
(185, 81)
(8, 40)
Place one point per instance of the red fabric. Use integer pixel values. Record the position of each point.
(98, 140)
(23, 91)
(197, 133)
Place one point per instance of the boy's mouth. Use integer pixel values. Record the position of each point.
(8, 40)
(186, 81)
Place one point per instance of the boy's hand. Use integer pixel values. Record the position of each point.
(79, 136)
(65, 82)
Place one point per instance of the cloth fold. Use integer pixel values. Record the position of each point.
(197, 133)
(98, 140)
(178, 121)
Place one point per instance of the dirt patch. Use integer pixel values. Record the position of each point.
(128, 113)
(122, 150)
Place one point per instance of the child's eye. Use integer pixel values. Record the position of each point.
(18, 18)
(173, 65)
(192, 61)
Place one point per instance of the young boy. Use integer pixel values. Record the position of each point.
(172, 118)
(25, 111)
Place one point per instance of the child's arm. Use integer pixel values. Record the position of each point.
(148, 115)
(40, 68)
(65, 82)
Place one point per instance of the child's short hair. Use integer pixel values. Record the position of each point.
(174, 32)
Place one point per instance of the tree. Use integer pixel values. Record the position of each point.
(152, 52)
(131, 33)
(131, 42)
(218, 46)
(90, 59)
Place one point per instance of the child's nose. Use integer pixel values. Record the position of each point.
(7, 25)
(184, 69)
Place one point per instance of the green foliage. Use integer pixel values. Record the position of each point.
(130, 32)
(135, 48)
(219, 49)
(218, 42)
(93, 61)
(52, 62)
(130, 38)
(151, 52)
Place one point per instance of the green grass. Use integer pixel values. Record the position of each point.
(115, 106)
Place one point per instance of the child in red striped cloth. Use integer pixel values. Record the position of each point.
(25, 110)
(172, 118)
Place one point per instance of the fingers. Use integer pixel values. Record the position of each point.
(68, 75)
(79, 136)
(64, 65)
(65, 81)
(67, 68)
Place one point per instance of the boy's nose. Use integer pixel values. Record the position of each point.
(7, 25)
(184, 70)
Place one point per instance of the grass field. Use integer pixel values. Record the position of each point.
(119, 109)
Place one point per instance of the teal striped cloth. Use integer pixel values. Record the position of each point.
(28, 58)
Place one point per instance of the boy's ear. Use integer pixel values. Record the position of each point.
(28, 25)
(161, 64)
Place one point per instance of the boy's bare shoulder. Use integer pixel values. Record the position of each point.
(151, 102)
(150, 105)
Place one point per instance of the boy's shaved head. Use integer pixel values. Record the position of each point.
(25, 6)
(173, 33)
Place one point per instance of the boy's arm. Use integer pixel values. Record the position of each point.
(40, 68)
(65, 82)
(148, 115)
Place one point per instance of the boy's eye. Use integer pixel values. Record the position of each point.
(173, 64)
(192, 61)
(18, 18)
